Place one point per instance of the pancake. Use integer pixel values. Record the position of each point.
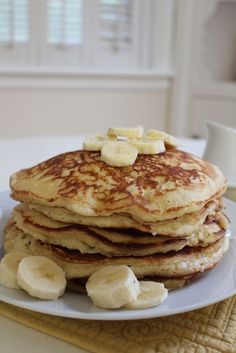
(178, 227)
(185, 262)
(155, 188)
(161, 216)
(109, 242)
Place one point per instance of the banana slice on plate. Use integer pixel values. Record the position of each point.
(148, 146)
(41, 277)
(133, 132)
(8, 269)
(112, 287)
(161, 135)
(151, 294)
(119, 153)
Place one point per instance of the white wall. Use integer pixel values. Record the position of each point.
(204, 87)
(212, 108)
(25, 112)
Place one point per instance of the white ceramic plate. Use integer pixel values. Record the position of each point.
(216, 285)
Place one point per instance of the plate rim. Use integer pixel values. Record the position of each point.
(97, 316)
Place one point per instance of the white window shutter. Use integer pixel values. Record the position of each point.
(116, 24)
(15, 45)
(63, 42)
(117, 37)
(65, 22)
(75, 33)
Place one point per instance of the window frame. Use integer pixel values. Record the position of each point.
(149, 62)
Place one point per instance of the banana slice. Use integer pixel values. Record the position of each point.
(151, 294)
(134, 132)
(41, 277)
(119, 153)
(112, 287)
(149, 146)
(95, 143)
(8, 269)
(161, 135)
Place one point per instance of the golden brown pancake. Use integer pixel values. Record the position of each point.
(155, 188)
(177, 227)
(109, 242)
(188, 261)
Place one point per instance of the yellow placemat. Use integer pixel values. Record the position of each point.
(208, 330)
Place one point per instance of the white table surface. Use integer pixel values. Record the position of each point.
(16, 154)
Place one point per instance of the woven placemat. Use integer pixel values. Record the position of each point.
(208, 330)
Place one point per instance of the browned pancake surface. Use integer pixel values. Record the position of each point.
(109, 242)
(156, 187)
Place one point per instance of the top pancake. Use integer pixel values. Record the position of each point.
(157, 187)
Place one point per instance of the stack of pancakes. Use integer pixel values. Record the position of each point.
(162, 216)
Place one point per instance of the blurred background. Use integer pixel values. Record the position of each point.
(80, 66)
